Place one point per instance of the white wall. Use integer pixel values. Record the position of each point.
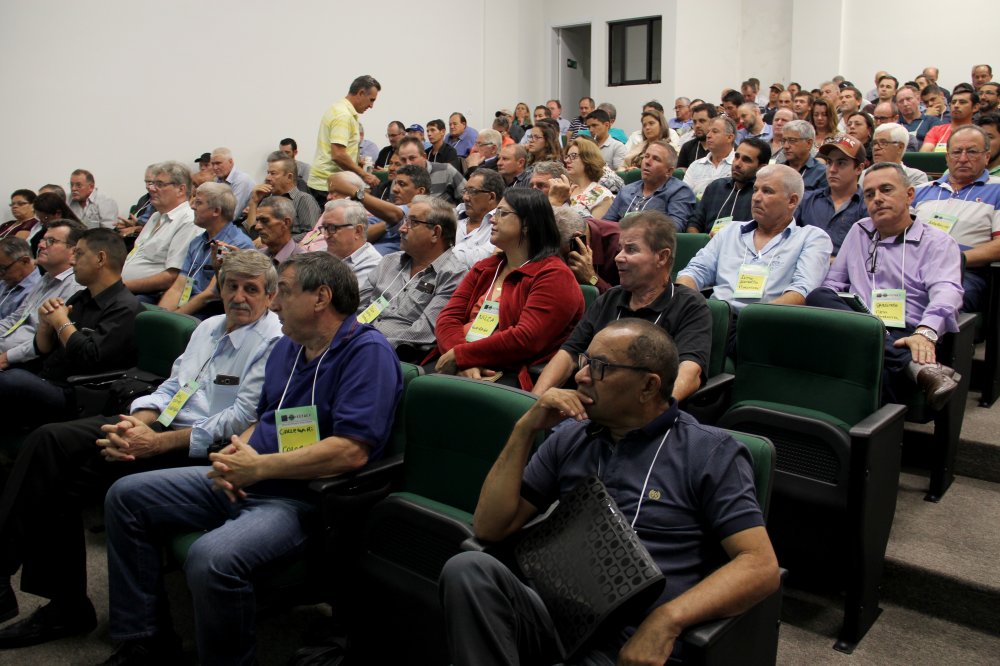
(114, 85)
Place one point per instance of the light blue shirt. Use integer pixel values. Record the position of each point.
(242, 186)
(216, 411)
(198, 262)
(12, 297)
(20, 343)
(798, 257)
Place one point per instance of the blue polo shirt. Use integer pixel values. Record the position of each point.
(464, 143)
(674, 198)
(817, 210)
(702, 481)
(920, 125)
(813, 174)
(198, 261)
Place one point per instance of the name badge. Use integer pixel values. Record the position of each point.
(298, 427)
(186, 293)
(485, 323)
(941, 147)
(751, 280)
(720, 224)
(372, 312)
(943, 221)
(177, 403)
(889, 305)
(16, 325)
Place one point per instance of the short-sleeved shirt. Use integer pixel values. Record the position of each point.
(339, 125)
(817, 210)
(798, 259)
(680, 311)
(919, 126)
(358, 383)
(229, 369)
(700, 487)
(162, 244)
(99, 211)
(976, 208)
(702, 172)
(674, 198)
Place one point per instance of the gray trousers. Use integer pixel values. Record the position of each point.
(492, 618)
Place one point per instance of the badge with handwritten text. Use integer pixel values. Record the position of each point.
(297, 427)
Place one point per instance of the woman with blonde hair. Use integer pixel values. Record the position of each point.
(654, 128)
(824, 119)
(582, 189)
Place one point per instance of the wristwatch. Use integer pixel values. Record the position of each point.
(359, 196)
(928, 333)
(593, 281)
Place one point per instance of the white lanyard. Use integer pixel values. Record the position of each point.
(731, 212)
(645, 202)
(8, 295)
(773, 257)
(292, 374)
(659, 316)
(489, 292)
(415, 276)
(645, 483)
(208, 258)
(902, 270)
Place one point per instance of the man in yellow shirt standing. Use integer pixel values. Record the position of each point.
(340, 136)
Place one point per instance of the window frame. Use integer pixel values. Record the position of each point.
(647, 21)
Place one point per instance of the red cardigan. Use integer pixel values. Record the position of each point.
(540, 304)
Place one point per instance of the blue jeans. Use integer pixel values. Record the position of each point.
(241, 537)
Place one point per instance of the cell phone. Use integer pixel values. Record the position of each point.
(581, 239)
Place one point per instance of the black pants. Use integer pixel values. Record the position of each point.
(59, 470)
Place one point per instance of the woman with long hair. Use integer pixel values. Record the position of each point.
(654, 128)
(48, 206)
(521, 122)
(513, 309)
(584, 193)
(824, 119)
(543, 142)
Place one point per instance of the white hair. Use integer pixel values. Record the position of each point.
(897, 133)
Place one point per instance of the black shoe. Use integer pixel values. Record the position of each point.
(146, 652)
(49, 623)
(8, 601)
(938, 383)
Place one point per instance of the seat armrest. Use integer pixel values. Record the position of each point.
(345, 499)
(97, 378)
(712, 387)
(878, 421)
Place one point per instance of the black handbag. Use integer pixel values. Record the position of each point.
(587, 564)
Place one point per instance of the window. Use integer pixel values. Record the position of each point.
(634, 51)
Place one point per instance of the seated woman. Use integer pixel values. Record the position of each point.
(514, 309)
(22, 206)
(48, 206)
(824, 119)
(862, 127)
(543, 143)
(582, 189)
(654, 128)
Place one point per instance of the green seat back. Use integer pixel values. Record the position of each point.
(162, 336)
(455, 428)
(679, 173)
(721, 320)
(590, 294)
(687, 246)
(828, 361)
(397, 438)
(762, 451)
(933, 164)
(630, 175)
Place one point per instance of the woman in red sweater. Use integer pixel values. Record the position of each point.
(513, 309)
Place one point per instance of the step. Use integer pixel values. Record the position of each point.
(942, 558)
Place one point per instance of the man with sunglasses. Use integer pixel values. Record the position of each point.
(908, 273)
(684, 486)
(55, 255)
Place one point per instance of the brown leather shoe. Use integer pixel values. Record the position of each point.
(938, 383)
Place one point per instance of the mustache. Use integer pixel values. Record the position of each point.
(239, 306)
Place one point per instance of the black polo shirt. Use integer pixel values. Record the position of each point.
(679, 310)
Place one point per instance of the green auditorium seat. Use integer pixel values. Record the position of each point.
(809, 379)
(933, 164)
(687, 246)
(708, 402)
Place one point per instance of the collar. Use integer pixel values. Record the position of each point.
(239, 335)
(360, 252)
(914, 233)
(28, 280)
(752, 225)
(61, 276)
(405, 260)
(286, 251)
(981, 179)
(658, 305)
(109, 295)
(170, 216)
(655, 428)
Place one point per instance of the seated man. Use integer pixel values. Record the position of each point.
(965, 202)
(888, 145)
(90, 206)
(797, 138)
(280, 182)
(488, 145)
(153, 265)
(439, 150)
(92, 331)
(930, 275)
(770, 259)
(589, 247)
(225, 171)
(837, 206)
(481, 197)
(274, 229)
(963, 105)
(341, 181)
(916, 123)
(331, 415)
(649, 244)
(60, 467)
(387, 216)
(657, 189)
(345, 224)
(195, 291)
(753, 123)
(718, 163)
(461, 137)
(409, 288)
(446, 182)
(513, 166)
(612, 150)
(18, 274)
(55, 255)
(622, 414)
(728, 199)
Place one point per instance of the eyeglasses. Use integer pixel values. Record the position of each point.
(599, 367)
(972, 153)
(883, 143)
(473, 191)
(158, 184)
(412, 220)
(504, 212)
(3, 269)
(535, 138)
(570, 157)
(18, 204)
(330, 229)
(49, 241)
(791, 140)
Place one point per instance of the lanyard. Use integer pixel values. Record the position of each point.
(775, 256)
(731, 212)
(649, 472)
(8, 294)
(292, 374)
(415, 276)
(659, 316)
(208, 257)
(644, 201)
(902, 269)
(489, 292)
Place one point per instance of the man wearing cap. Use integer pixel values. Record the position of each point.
(891, 251)
(461, 137)
(891, 140)
(204, 162)
(339, 137)
(835, 207)
(772, 101)
(797, 138)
